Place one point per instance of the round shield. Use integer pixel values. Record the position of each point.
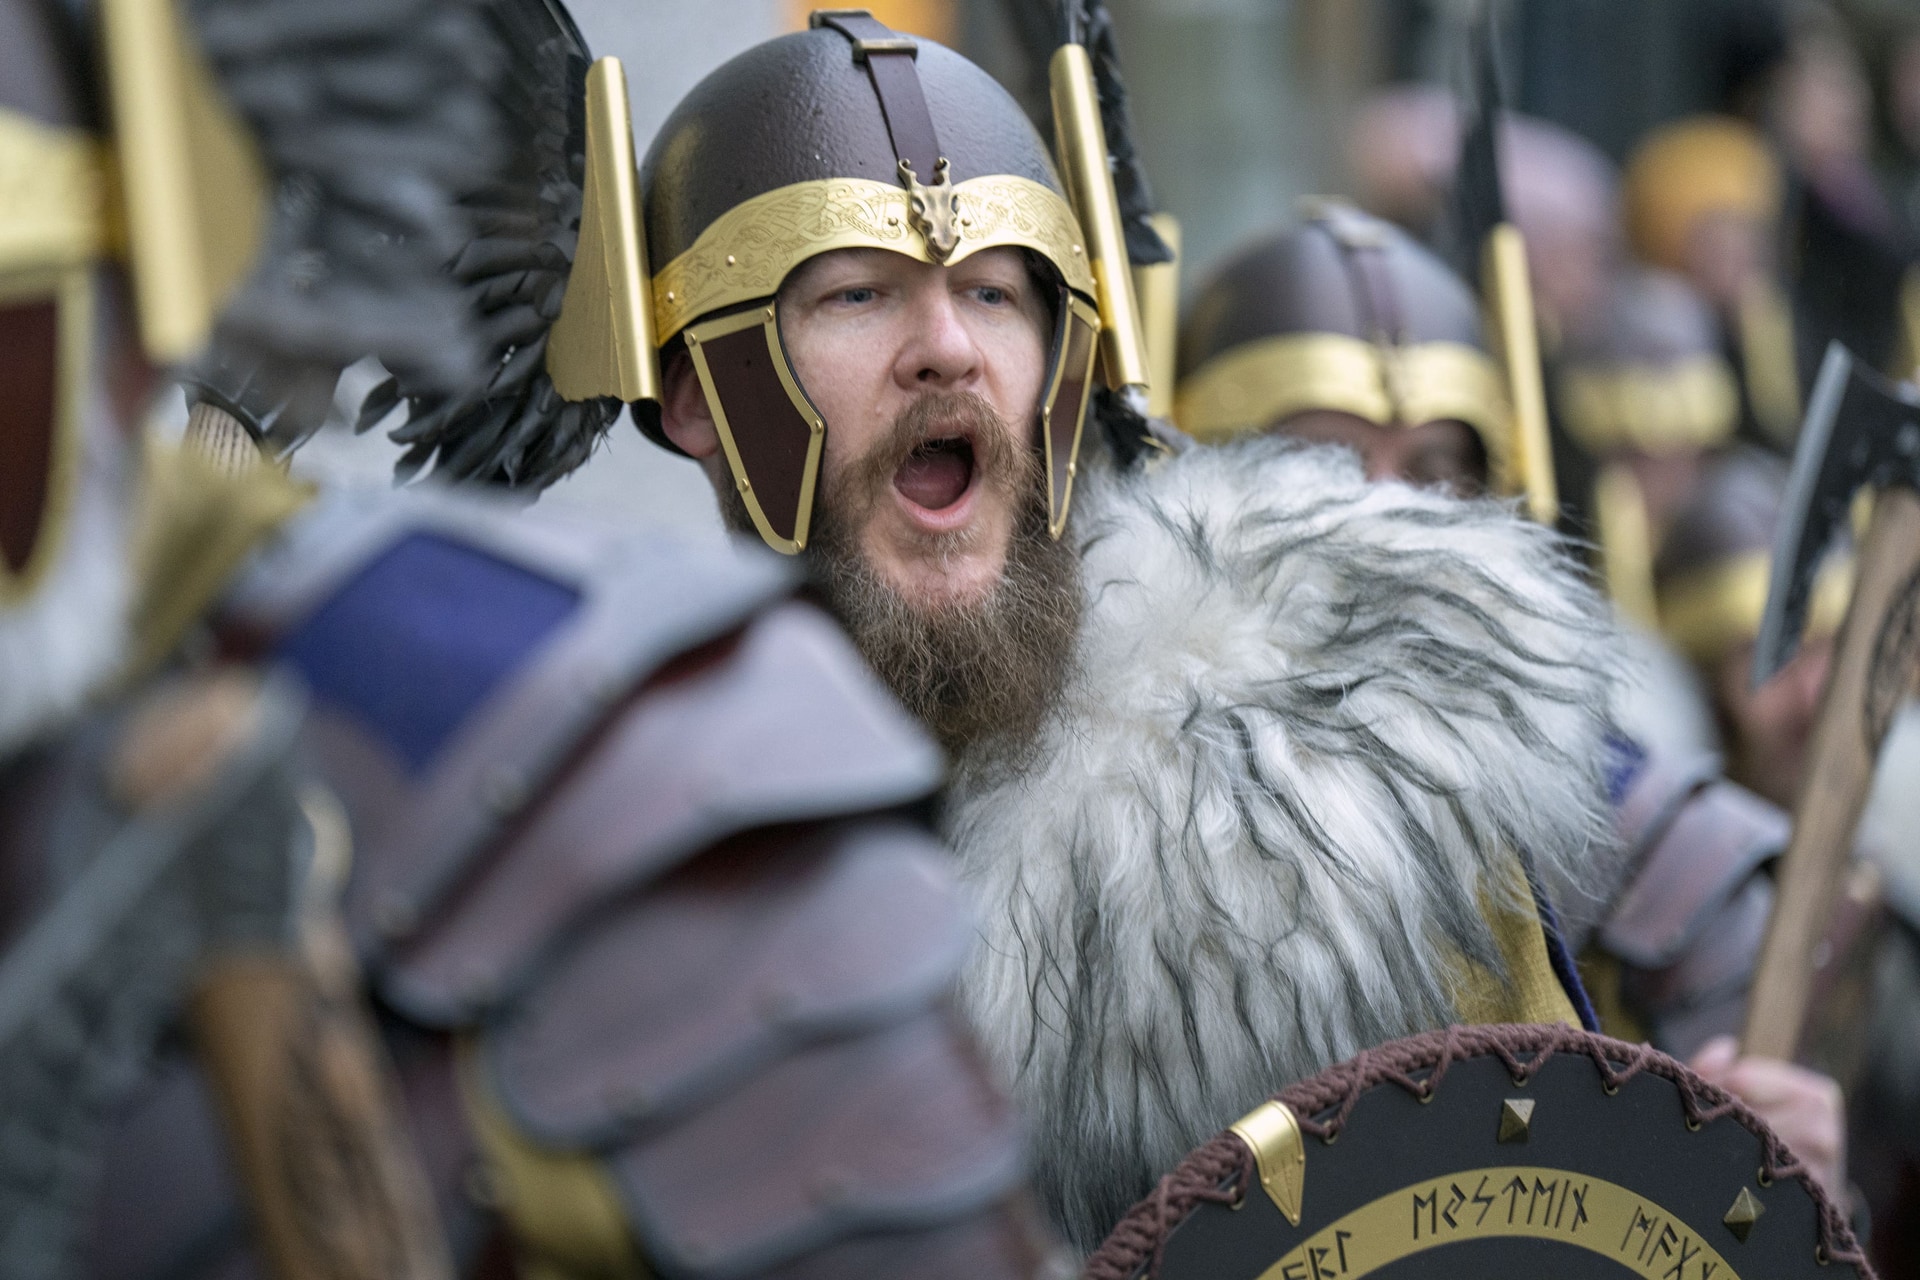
(1501, 1153)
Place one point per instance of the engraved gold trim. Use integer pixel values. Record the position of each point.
(1273, 1135)
(1076, 309)
(603, 343)
(1254, 385)
(70, 287)
(1528, 463)
(1505, 1202)
(1687, 404)
(194, 187)
(53, 210)
(1156, 287)
(1708, 612)
(766, 319)
(746, 253)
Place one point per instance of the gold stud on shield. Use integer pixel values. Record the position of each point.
(1516, 1120)
(1745, 1212)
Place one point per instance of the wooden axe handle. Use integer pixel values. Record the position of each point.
(312, 1111)
(1873, 670)
(314, 1123)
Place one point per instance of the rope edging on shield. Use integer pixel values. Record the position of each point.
(1219, 1172)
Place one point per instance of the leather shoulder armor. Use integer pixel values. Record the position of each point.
(1686, 927)
(657, 863)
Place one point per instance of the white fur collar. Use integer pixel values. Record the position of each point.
(1309, 717)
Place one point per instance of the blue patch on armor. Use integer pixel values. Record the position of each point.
(421, 635)
(1625, 759)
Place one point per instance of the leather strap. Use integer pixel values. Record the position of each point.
(890, 58)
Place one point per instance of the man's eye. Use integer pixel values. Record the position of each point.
(991, 294)
(856, 294)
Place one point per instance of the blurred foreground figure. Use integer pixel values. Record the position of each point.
(657, 970)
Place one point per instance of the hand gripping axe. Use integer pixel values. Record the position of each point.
(1861, 430)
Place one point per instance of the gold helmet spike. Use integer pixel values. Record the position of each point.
(1528, 469)
(194, 188)
(1080, 140)
(603, 342)
(1156, 287)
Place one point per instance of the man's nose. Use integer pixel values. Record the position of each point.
(939, 351)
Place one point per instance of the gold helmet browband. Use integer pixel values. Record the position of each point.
(1261, 382)
(747, 253)
(1690, 403)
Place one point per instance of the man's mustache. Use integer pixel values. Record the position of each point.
(1001, 457)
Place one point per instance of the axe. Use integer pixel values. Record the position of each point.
(1861, 430)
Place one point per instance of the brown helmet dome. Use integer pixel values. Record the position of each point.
(1345, 311)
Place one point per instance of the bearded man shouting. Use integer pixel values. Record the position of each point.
(1254, 764)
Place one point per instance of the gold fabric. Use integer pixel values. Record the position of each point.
(195, 525)
(1255, 384)
(745, 254)
(1604, 977)
(564, 1209)
(1692, 168)
(1654, 408)
(1708, 612)
(1530, 992)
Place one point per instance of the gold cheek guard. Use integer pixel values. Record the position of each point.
(188, 221)
(615, 313)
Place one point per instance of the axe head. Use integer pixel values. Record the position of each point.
(1861, 430)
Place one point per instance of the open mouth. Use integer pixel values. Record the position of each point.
(937, 474)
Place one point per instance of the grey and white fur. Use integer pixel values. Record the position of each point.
(1310, 720)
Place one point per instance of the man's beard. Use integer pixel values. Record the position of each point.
(982, 675)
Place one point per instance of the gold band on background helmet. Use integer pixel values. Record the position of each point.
(1343, 312)
(1269, 379)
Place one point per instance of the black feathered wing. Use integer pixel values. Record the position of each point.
(373, 119)
(511, 427)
